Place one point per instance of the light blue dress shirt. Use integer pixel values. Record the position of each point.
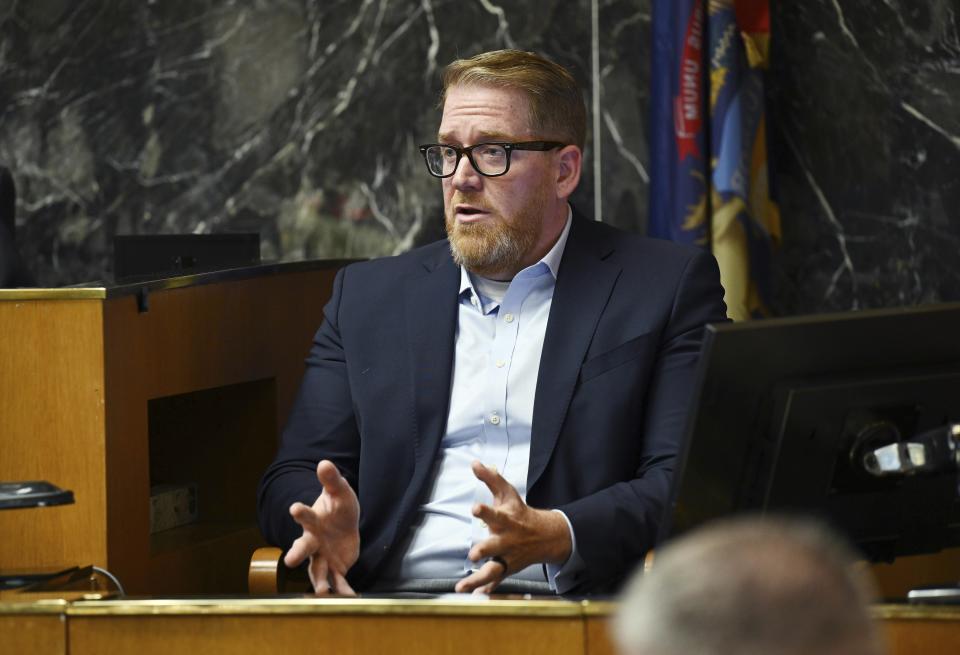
(499, 339)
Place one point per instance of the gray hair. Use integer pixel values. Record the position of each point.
(751, 587)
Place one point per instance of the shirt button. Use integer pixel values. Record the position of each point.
(508, 318)
(495, 419)
(501, 363)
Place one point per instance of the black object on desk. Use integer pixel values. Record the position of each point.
(938, 595)
(151, 256)
(23, 579)
(34, 493)
(22, 495)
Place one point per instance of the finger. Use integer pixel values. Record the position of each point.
(341, 586)
(486, 548)
(487, 588)
(489, 573)
(499, 487)
(328, 475)
(318, 576)
(302, 548)
(488, 515)
(302, 513)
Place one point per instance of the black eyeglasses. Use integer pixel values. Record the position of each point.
(488, 159)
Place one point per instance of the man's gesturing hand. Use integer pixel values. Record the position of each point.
(519, 535)
(331, 533)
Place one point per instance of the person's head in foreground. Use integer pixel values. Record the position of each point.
(750, 587)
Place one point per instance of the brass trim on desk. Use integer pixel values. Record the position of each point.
(62, 293)
(599, 608)
(381, 607)
(916, 612)
(883, 612)
(47, 606)
(329, 606)
(178, 282)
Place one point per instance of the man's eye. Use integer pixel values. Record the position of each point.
(448, 153)
(491, 152)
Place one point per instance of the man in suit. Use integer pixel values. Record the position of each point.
(504, 405)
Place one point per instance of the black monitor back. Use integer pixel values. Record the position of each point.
(784, 409)
(140, 257)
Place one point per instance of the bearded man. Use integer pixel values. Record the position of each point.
(502, 409)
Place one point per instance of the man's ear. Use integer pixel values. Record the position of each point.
(569, 165)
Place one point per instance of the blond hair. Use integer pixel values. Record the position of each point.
(556, 104)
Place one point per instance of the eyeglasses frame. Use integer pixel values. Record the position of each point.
(509, 147)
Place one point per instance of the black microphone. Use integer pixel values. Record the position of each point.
(933, 451)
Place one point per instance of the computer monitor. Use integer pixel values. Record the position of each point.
(138, 257)
(785, 411)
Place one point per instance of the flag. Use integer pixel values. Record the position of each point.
(678, 112)
(709, 181)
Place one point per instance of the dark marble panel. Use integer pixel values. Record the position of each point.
(297, 119)
(865, 96)
(624, 40)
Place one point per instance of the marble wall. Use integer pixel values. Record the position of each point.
(865, 96)
(299, 119)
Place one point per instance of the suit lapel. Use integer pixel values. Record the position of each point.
(584, 283)
(430, 309)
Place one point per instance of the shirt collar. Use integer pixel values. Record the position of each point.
(551, 259)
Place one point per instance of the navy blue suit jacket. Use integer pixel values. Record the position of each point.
(612, 395)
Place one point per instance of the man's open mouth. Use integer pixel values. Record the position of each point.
(469, 211)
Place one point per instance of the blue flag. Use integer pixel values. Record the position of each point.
(709, 181)
(678, 108)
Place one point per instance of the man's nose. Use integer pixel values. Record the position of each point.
(465, 176)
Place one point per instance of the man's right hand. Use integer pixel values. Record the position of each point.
(331, 533)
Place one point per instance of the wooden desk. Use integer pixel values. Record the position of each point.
(37, 627)
(334, 626)
(357, 626)
(108, 391)
(920, 630)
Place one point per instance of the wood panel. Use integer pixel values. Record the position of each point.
(240, 626)
(915, 637)
(33, 634)
(79, 376)
(599, 639)
(51, 428)
(345, 635)
(192, 339)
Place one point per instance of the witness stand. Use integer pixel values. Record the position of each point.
(112, 392)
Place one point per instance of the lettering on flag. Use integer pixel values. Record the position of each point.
(688, 104)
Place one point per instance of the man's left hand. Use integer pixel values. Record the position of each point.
(519, 535)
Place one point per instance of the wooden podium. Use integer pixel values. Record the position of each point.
(109, 391)
(260, 626)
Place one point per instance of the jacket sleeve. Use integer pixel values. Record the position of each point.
(322, 425)
(616, 526)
